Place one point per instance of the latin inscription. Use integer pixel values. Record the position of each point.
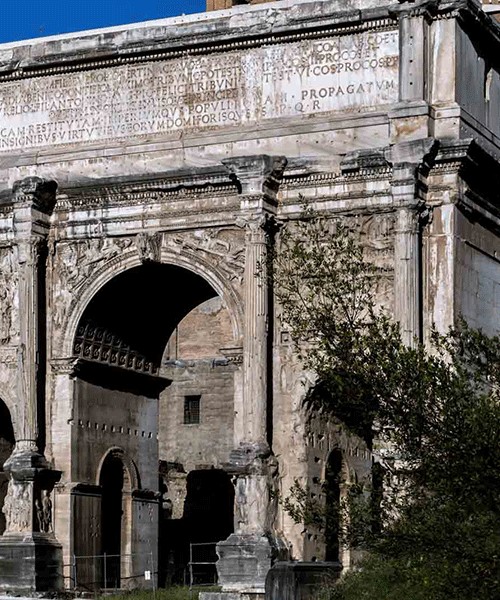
(197, 93)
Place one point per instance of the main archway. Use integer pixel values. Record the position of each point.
(122, 343)
(185, 260)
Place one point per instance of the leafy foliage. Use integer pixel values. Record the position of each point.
(437, 407)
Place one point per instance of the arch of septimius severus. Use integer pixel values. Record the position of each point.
(149, 397)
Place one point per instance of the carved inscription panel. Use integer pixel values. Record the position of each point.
(236, 88)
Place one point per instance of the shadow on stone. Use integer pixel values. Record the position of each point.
(300, 580)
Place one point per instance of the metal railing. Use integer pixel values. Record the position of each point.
(113, 571)
(202, 569)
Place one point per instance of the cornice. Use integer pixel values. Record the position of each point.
(361, 167)
(178, 186)
(337, 25)
(485, 29)
(479, 174)
(362, 207)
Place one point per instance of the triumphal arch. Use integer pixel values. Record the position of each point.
(149, 394)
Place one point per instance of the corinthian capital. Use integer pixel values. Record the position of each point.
(258, 175)
(259, 227)
(40, 193)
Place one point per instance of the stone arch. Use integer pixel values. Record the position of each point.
(7, 398)
(118, 478)
(7, 441)
(128, 463)
(182, 258)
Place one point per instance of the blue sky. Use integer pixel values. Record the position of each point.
(23, 19)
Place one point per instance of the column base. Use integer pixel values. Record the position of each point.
(244, 561)
(30, 563)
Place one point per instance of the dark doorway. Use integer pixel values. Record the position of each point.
(208, 509)
(6, 447)
(333, 498)
(207, 519)
(114, 482)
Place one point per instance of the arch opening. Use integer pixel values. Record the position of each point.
(6, 446)
(207, 518)
(115, 484)
(137, 311)
(333, 493)
(152, 327)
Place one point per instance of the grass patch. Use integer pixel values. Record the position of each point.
(175, 592)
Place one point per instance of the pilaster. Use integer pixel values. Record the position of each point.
(410, 165)
(445, 111)
(409, 119)
(30, 554)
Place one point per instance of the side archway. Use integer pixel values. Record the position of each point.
(116, 480)
(121, 324)
(116, 452)
(335, 482)
(7, 441)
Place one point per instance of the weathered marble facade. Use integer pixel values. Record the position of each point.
(143, 173)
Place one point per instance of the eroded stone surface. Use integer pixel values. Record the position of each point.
(180, 148)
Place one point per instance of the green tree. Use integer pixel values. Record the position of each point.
(438, 407)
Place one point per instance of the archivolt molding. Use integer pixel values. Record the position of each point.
(178, 250)
(128, 464)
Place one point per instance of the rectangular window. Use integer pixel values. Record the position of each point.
(191, 410)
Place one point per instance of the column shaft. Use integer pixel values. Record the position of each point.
(28, 352)
(407, 274)
(255, 359)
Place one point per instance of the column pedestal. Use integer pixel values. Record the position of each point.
(31, 563)
(247, 555)
(245, 560)
(30, 556)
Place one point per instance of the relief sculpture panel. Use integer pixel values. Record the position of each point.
(222, 247)
(73, 264)
(76, 263)
(8, 296)
(376, 234)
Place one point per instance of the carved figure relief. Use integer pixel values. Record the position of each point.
(8, 285)
(240, 503)
(377, 237)
(384, 291)
(220, 246)
(39, 514)
(17, 507)
(149, 246)
(257, 501)
(77, 261)
(73, 263)
(46, 512)
(272, 493)
(256, 497)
